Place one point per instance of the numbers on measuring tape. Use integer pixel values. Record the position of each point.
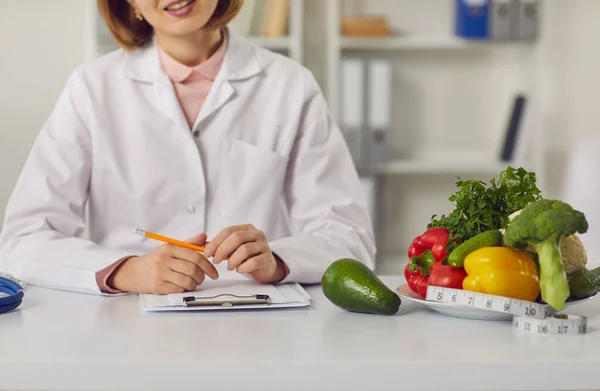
(542, 329)
(556, 325)
(528, 316)
(562, 329)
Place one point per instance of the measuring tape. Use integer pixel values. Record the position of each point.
(528, 316)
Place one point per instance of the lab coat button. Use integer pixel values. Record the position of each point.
(191, 209)
(196, 133)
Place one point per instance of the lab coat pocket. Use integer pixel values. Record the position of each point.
(254, 178)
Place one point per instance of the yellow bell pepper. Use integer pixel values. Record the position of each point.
(502, 271)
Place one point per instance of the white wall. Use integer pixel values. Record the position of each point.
(40, 43)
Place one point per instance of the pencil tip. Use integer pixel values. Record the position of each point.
(137, 231)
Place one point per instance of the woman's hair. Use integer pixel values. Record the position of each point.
(131, 33)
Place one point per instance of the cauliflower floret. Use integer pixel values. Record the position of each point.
(572, 251)
(573, 254)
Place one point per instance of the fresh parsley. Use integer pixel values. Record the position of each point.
(479, 207)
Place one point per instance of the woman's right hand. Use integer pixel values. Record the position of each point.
(166, 269)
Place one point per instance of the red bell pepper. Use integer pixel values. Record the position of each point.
(434, 239)
(432, 272)
(412, 276)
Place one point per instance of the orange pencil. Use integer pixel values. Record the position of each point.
(168, 240)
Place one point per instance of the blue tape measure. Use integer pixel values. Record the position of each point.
(12, 297)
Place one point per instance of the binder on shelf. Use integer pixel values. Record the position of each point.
(527, 19)
(502, 19)
(365, 26)
(471, 19)
(353, 87)
(276, 21)
(379, 110)
(514, 129)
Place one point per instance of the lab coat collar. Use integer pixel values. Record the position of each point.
(240, 62)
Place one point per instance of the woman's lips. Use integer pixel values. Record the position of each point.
(181, 8)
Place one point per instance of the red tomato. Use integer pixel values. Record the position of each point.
(447, 276)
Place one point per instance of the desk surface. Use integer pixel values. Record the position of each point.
(66, 341)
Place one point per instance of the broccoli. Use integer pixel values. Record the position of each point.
(543, 224)
(572, 251)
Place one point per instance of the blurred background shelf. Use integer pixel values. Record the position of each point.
(421, 43)
(277, 44)
(277, 25)
(403, 43)
(435, 166)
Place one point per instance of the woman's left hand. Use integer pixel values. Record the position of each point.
(246, 249)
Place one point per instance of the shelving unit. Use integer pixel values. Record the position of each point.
(430, 48)
(293, 44)
(447, 166)
(417, 43)
(340, 47)
(404, 43)
(99, 40)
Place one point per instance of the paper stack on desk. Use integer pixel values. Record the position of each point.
(228, 291)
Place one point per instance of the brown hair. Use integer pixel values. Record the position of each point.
(131, 33)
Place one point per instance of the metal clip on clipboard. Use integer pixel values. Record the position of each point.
(195, 301)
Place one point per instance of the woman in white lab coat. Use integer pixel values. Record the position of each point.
(246, 161)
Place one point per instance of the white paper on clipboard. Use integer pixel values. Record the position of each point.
(282, 296)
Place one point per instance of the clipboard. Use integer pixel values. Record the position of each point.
(229, 295)
(225, 300)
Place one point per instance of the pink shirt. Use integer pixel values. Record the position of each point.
(192, 85)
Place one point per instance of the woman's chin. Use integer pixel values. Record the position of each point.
(182, 28)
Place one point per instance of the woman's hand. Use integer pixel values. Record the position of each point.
(246, 249)
(166, 269)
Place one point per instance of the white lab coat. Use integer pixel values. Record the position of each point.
(264, 150)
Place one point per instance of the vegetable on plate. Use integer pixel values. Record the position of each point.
(572, 251)
(485, 239)
(434, 239)
(502, 271)
(542, 225)
(479, 207)
(432, 272)
(584, 283)
(506, 240)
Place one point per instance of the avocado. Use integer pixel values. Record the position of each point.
(352, 286)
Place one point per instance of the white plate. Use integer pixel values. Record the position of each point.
(459, 310)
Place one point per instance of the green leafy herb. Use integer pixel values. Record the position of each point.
(480, 208)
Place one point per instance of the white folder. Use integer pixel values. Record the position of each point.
(379, 109)
(353, 90)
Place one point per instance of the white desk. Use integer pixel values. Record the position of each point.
(65, 341)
